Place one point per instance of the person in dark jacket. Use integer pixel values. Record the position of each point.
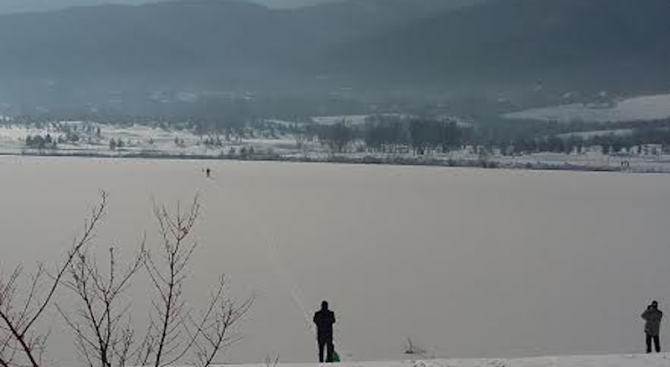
(652, 327)
(324, 320)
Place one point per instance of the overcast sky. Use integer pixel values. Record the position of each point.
(285, 3)
(33, 5)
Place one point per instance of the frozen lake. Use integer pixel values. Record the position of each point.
(466, 262)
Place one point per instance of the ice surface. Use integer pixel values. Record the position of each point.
(466, 262)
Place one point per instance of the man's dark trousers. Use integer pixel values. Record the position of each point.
(657, 343)
(326, 344)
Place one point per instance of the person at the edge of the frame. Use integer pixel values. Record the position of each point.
(652, 327)
(324, 320)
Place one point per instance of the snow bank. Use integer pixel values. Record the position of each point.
(632, 360)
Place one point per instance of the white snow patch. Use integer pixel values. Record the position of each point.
(284, 123)
(347, 119)
(645, 108)
(596, 133)
(353, 119)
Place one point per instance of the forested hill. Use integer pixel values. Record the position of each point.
(582, 42)
(601, 43)
(193, 38)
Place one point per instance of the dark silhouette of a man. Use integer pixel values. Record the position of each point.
(652, 327)
(324, 320)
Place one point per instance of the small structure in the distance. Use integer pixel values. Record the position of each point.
(652, 150)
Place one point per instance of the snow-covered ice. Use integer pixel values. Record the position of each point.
(468, 263)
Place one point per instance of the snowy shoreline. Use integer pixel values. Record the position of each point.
(94, 140)
(511, 163)
(627, 360)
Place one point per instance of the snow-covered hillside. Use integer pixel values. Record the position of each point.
(632, 360)
(643, 108)
(137, 140)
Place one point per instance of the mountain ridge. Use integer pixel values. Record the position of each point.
(528, 40)
(357, 42)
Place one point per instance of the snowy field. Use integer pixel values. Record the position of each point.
(644, 108)
(468, 263)
(353, 120)
(137, 139)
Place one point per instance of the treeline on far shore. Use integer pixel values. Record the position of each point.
(425, 136)
(393, 134)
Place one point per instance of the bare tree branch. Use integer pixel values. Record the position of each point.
(18, 315)
(104, 334)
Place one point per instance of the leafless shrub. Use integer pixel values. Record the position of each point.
(102, 325)
(23, 304)
(413, 349)
(271, 361)
(103, 328)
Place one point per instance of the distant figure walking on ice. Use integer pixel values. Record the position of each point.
(652, 327)
(208, 172)
(324, 320)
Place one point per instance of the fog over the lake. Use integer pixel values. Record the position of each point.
(466, 262)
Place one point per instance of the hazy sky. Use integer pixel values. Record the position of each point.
(285, 3)
(33, 5)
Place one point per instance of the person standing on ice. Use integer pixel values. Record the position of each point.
(652, 327)
(324, 320)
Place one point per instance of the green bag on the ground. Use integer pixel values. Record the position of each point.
(333, 358)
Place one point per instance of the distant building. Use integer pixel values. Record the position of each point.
(652, 150)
